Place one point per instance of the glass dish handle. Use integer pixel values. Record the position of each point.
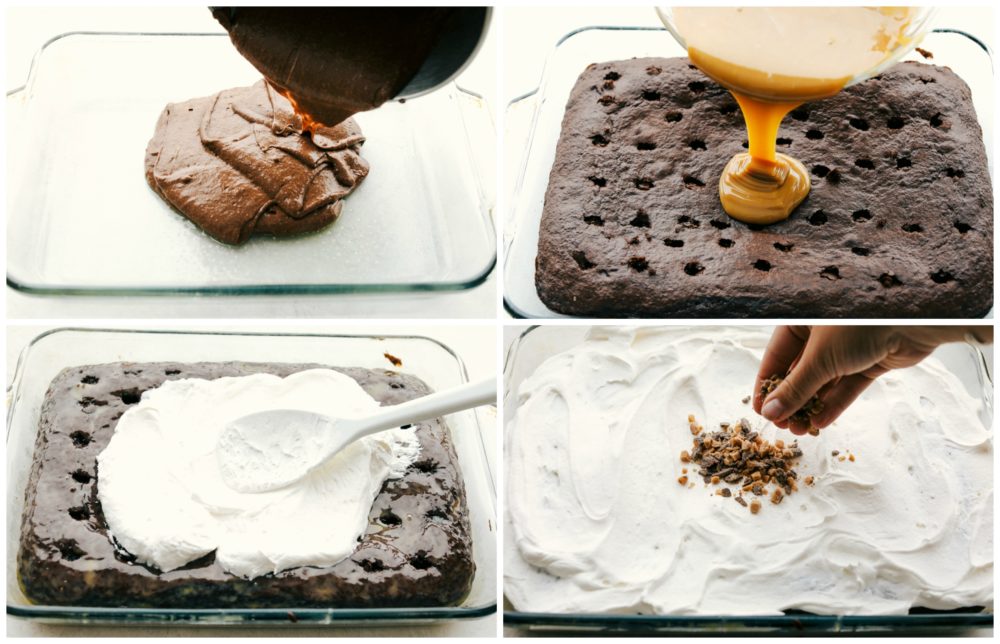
(518, 120)
(478, 121)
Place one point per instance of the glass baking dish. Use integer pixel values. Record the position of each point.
(80, 224)
(427, 359)
(536, 344)
(537, 117)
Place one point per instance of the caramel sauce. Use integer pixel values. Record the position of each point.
(788, 56)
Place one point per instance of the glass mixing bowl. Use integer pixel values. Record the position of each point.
(920, 25)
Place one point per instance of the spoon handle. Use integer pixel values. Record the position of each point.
(437, 404)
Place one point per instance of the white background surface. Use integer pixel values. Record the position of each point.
(29, 28)
(476, 345)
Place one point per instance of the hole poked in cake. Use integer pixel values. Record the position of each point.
(726, 243)
(687, 221)
(600, 182)
(696, 86)
(581, 260)
(818, 218)
(830, 273)
(728, 108)
(593, 220)
(697, 144)
(814, 135)
(888, 280)
(895, 123)
(389, 518)
(90, 380)
(421, 561)
(69, 549)
(426, 466)
(719, 224)
(128, 396)
(606, 99)
(860, 251)
(82, 477)
(784, 248)
(643, 183)
(650, 95)
(88, 401)
(942, 277)
(653, 70)
(867, 164)
(858, 124)
(861, 215)
(962, 227)
(81, 438)
(953, 173)
(783, 140)
(903, 162)
(762, 265)
(645, 146)
(693, 268)
(800, 114)
(638, 264)
(820, 170)
(936, 120)
(79, 513)
(672, 117)
(599, 140)
(641, 220)
(693, 183)
(913, 228)
(371, 565)
(437, 514)
(674, 243)
(612, 75)
(171, 372)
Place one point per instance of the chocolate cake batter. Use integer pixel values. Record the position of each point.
(335, 61)
(240, 162)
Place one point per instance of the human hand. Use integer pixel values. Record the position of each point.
(837, 363)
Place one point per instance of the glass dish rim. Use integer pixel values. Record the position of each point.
(521, 168)
(475, 279)
(803, 623)
(243, 616)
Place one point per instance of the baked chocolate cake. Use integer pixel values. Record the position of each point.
(240, 163)
(416, 551)
(899, 221)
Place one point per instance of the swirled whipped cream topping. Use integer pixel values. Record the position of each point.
(597, 522)
(166, 503)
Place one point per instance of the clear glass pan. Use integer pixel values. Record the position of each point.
(539, 116)
(81, 218)
(427, 359)
(538, 343)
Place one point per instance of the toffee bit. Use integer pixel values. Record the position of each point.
(923, 52)
(851, 458)
(690, 418)
(683, 480)
(726, 492)
(776, 496)
(754, 506)
(841, 458)
(835, 452)
(746, 400)
(685, 457)
(810, 480)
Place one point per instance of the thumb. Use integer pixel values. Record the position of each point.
(802, 383)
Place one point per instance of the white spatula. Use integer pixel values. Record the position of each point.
(271, 449)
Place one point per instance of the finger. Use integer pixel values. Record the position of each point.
(782, 351)
(839, 398)
(806, 378)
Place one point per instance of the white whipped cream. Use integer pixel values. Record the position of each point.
(165, 502)
(597, 522)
